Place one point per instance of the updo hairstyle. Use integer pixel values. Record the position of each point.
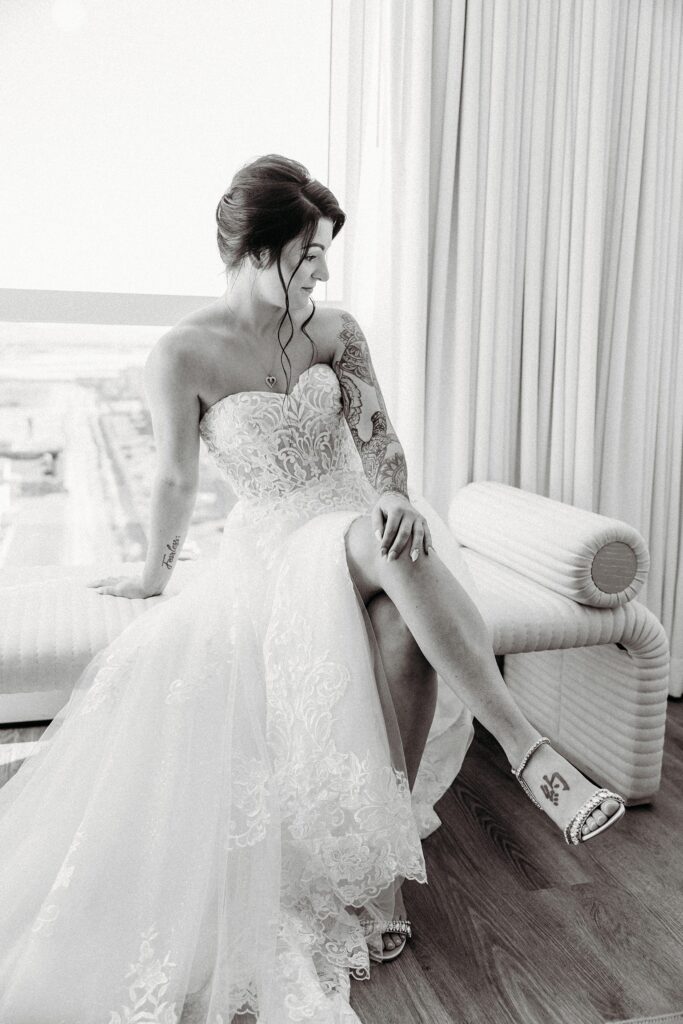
(271, 201)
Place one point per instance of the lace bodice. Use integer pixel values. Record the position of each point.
(294, 450)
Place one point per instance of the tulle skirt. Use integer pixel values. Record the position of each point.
(222, 799)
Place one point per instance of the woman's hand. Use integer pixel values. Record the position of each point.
(404, 528)
(122, 586)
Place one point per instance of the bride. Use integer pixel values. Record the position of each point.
(219, 821)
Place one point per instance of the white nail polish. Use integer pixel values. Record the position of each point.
(413, 555)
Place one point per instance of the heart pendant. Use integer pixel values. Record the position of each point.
(270, 381)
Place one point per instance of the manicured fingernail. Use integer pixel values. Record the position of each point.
(392, 555)
(383, 552)
(378, 535)
(413, 554)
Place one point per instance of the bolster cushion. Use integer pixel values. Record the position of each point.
(587, 557)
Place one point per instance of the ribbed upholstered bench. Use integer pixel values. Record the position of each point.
(588, 664)
(560, 582)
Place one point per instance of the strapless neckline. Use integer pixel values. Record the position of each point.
(272, 394)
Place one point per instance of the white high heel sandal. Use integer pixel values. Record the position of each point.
(572, 830)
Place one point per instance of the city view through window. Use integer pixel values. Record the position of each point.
(130, 212)
(77, 450)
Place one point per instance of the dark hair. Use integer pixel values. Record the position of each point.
(270, 202)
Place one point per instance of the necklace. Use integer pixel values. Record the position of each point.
(270, 378)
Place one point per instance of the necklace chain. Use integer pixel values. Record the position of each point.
(270, 378)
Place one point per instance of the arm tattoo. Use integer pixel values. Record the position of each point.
(382, 456)
(172, 549)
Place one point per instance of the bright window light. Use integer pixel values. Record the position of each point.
(68, 15)
(124, 123)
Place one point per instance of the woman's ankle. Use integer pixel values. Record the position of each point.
(518, 744)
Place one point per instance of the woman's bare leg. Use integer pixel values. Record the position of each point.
(453, 637)
(412, 680)
(413, 685)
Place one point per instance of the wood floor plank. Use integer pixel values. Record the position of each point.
(10, 734)
(616, 955)
(489, 814)
(397, 992)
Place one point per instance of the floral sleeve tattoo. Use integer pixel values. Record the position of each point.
(382, 456)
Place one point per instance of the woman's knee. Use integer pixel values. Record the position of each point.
(362, 557)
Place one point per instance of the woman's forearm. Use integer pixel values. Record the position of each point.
(170, 511)
(382, 456)
(386, 466)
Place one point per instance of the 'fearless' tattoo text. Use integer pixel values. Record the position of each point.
(172, 549)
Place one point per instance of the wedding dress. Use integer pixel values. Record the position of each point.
(225, 791)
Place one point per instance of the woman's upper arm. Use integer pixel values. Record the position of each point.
(171, 384)
(362, 399)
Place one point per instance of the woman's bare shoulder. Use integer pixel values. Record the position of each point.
(338, 327)
(188, 347)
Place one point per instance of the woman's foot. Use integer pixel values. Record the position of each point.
(392, 939)
(560, 789)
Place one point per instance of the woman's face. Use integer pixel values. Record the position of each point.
(304, 280)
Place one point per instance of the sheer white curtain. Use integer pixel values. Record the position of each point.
(514, 252)
(379, 138)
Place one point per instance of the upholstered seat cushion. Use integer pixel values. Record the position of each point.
(52, 625)
(590, 558)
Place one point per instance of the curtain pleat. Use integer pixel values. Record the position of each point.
(386, 197)
(515, 253)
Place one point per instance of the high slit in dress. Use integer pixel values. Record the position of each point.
(225, 788)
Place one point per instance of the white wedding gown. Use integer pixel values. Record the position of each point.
(226, 784)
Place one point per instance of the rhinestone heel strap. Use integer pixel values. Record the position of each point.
(396, 927)
(572, 831)
(517, 772)
(400, 927)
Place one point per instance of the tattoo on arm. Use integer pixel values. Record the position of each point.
(172, 549)
(382, 455)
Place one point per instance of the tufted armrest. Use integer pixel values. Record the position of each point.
(590, 558)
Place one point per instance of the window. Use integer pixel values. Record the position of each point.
(77, 452)
(126, 123)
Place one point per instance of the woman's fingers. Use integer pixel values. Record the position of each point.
(389, 531)
(403, 535)
(104, 582)
(418, 539)
(427, 537)
(413, 536)
(108, 585)
(377, 522)
(402, 530)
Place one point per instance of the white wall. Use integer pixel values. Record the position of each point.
(120, 134)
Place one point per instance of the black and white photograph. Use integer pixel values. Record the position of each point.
(341, 512)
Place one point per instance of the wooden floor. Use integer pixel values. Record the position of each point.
(516, 927)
